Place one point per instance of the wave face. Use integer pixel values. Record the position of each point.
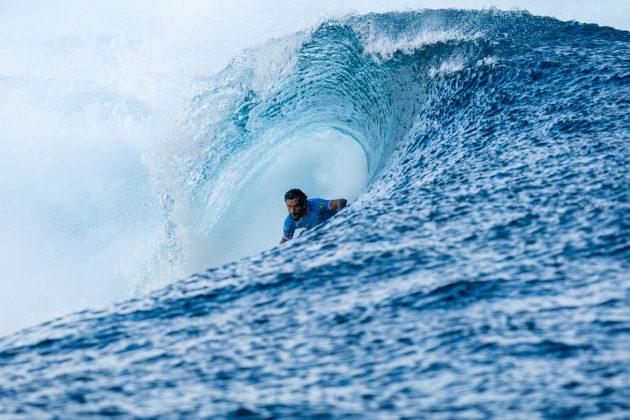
(483, 272)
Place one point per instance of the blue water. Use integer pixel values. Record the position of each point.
(484, 271)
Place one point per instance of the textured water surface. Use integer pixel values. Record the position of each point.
(485, 271)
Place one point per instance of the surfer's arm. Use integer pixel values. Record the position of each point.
(287, 230)
(337, 204)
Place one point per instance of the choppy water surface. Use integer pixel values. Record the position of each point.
(484, 271)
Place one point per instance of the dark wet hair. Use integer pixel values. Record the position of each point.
(295, 193)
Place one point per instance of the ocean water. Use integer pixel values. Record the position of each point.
(481, 270)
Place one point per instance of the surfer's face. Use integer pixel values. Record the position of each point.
(296, 208)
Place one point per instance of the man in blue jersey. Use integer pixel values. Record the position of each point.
(305, 213)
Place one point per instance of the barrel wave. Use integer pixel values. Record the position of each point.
(481, 271)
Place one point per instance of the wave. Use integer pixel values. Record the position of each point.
(487, 239)
(380, 81)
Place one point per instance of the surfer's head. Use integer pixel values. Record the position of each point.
(295, 200)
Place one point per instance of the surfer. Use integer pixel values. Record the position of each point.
(304, 213)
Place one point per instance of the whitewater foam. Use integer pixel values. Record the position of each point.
(382, 48)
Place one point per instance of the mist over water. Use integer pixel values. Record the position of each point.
(93, 99)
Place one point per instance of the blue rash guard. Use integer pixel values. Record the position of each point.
(317, 211)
